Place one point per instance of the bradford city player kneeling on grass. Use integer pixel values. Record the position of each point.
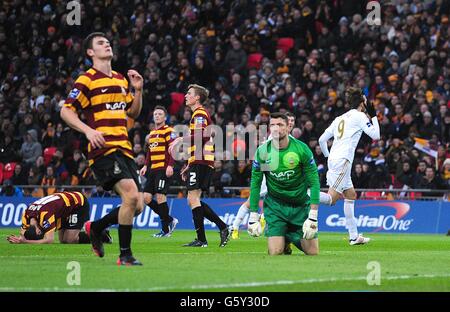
(67, 212)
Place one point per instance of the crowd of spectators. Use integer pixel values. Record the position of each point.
(255, 57)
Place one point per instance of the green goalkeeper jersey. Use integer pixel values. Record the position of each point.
(289, 173)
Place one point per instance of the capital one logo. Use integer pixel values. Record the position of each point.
(381, 222)
(74, 16)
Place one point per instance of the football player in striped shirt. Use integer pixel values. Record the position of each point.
(104, 98)
(159, 169)
(65, 212)
(200, 166)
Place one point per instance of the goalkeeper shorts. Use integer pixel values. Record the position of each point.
(284, 219)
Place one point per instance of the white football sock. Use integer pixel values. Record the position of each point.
(243, 210)
(350, 220)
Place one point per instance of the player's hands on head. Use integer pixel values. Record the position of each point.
(95, 138)
(369, 107)
(136, 80)
(310, 226)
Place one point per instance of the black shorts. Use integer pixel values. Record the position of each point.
(112, 168)
(77, 219)
(199, 177)
(157, 182)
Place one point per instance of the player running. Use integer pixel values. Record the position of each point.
(347, 130)
(290, 169)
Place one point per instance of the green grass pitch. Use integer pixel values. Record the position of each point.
(406, 263)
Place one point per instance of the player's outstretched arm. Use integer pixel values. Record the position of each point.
(49, 237)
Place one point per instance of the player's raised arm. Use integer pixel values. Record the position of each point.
(323, 140)
(136, 82)
(371, 129)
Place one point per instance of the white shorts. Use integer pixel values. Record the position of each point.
(263, 191)
(339, 175)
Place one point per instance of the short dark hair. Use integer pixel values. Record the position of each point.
(354, 97)
(202, 92)
(161, 108)
(30, 233)
(289, 114)
(87, 43)
(280, 115)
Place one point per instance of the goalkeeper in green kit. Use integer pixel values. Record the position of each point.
(289, 167)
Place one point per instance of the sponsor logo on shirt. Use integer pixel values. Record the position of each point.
(74, 93)
(116, 106)
(283, 175)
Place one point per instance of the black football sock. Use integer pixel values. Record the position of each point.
(165, 217)
(83, 238)
(197, 215)
(155, 207)
(125, 239)
(212, 216)
(111, 218)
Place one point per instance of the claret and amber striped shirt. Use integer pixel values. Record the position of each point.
(50, 211)
(104, 101)
(158, 156)
(199, 122)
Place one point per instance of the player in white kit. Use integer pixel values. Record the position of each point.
(245, 207)
(346, 131)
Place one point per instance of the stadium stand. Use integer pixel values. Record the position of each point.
(252, 55)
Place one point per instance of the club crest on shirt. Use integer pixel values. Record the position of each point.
(291, 160)
(117, 169)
